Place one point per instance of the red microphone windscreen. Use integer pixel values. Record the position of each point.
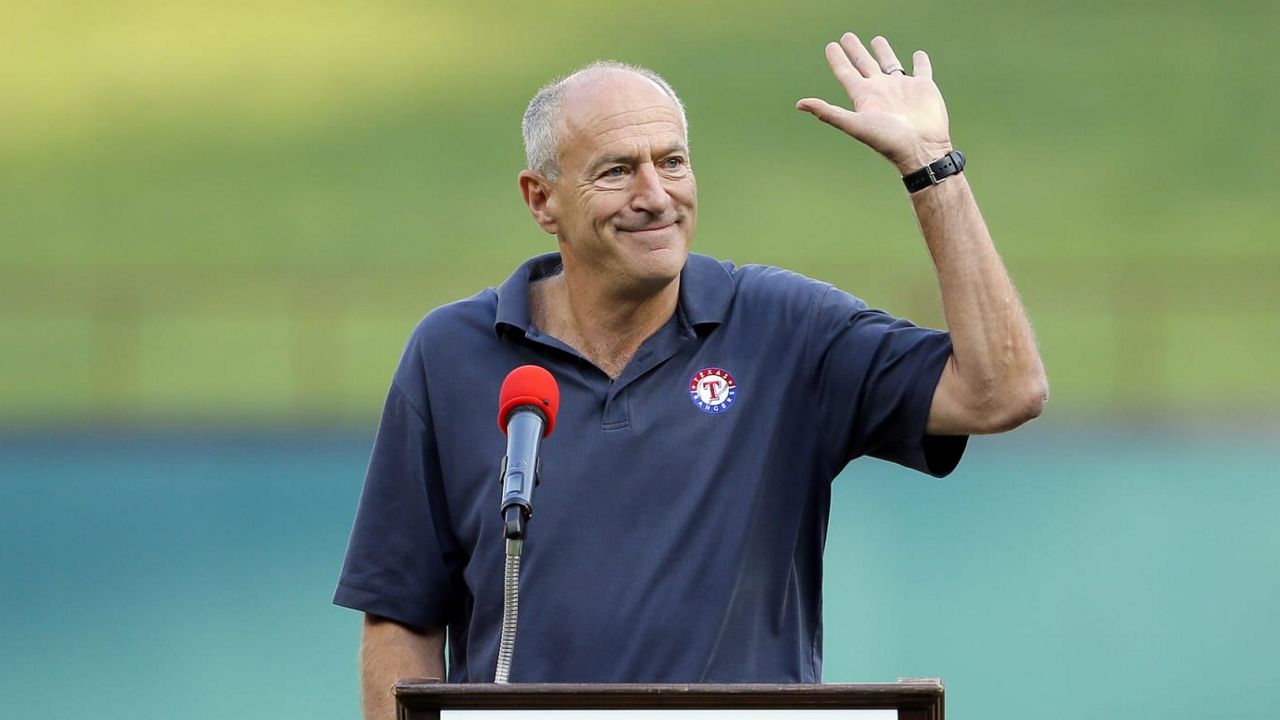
(529, 385)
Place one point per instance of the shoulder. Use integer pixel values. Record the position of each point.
(447, 335)
(477, 312)
(777, 292)
(776, 281)
(756, 294)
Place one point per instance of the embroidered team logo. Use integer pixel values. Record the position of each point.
(713, 390)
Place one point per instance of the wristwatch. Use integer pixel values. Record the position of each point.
(935, 172)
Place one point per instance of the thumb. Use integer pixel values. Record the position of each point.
(833, 115)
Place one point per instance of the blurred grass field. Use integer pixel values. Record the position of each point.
(236, 212)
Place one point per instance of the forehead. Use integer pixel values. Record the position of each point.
(616, 108)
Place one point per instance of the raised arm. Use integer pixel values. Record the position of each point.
(994, 380)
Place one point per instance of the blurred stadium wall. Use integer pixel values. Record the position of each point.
(219, 221)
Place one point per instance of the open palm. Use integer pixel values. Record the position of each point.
(901, 116)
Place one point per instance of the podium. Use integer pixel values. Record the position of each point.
(908, 699)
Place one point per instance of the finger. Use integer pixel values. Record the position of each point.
(884, 53)
(848, 76)
(920, 65)
(833, 115)
(858, 55)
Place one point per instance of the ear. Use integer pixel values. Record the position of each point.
(536, 191)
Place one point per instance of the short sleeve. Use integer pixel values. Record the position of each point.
(397, 565)
(875, 383)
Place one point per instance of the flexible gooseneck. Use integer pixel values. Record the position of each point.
(510, 610)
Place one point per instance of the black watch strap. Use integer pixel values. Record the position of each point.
(935, 172)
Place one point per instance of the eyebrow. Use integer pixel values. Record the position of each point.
(629, 158)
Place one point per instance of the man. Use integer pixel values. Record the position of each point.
(705, 408)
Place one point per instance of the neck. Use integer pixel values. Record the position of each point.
(605, 325)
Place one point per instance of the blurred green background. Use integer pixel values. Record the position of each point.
(218, 223)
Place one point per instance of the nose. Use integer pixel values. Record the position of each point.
(648, 193)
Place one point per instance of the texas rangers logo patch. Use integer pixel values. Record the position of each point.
(713, 390)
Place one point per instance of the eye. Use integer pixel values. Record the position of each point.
(675, 162)
(616, 171)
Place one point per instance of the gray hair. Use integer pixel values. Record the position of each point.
(541, 123)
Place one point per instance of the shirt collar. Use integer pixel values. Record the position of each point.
(706, 290)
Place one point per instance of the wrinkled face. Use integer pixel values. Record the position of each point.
(626, 199)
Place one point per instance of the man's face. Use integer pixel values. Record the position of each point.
(626, 198)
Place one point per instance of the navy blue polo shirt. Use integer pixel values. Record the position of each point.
(678, 531)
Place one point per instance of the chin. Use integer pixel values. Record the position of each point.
(664, 263)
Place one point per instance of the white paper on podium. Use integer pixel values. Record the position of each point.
(660, 714)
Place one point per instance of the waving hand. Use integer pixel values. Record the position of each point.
(900, 116)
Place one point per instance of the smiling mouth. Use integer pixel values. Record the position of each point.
(656, 228)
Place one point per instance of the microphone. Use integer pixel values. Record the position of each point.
(527, 406)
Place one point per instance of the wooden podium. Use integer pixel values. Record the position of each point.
(909, 699)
